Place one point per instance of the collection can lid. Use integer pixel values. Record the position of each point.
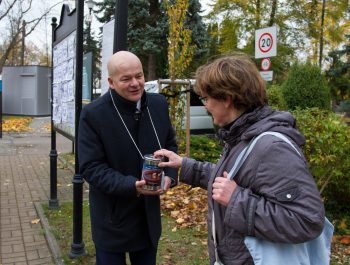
(152, 158)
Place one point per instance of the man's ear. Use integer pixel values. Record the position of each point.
(110, 82)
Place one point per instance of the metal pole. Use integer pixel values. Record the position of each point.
(53, 202)
(89, 45)
(78, 246)
(120, 26)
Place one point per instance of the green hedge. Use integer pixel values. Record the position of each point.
(306, 87)
(328, 153)
(275, 97)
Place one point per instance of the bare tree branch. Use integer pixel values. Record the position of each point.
(28, 8)
(36, 21)
(17, 26)
(8, 9)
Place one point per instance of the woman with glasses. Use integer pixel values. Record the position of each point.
(273, 195)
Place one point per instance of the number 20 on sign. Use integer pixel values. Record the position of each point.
(266, 42)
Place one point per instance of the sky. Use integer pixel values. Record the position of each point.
(41, 36)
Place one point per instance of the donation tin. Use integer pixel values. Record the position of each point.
(152, 173)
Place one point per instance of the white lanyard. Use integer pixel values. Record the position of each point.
(120, 116)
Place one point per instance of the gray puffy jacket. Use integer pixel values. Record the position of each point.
(276, 193)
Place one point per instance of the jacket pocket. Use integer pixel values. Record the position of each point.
(287, 195)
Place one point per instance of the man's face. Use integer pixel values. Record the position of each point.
(128, 81)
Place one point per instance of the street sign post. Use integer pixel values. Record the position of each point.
(266, 42)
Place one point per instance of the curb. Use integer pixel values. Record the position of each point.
(52, 243)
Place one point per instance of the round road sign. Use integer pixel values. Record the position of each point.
(265, 42)
(265, 64)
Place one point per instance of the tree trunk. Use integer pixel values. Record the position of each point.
(273, 13)
(8, 50)
(257, 15)
(151, 67)
(152, 59)
(321, 34)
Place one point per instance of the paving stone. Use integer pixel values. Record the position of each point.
(24, 179)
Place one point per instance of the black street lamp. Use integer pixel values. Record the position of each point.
(78, 246)
(53, 202)
(90, 4)
(89, 46)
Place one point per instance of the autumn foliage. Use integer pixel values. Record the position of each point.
(16, 124)
(188, 206)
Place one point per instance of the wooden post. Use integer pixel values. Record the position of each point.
(188, 117)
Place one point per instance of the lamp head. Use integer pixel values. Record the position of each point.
(90, 4)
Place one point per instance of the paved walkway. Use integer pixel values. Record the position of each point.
(25, 181)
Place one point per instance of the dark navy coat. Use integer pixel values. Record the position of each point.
(109, 161)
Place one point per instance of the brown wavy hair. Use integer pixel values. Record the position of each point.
(235, 76)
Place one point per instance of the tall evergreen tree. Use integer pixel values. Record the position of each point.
(91, 44)
(148, 29)
(200, 37)
(146, 35)
(339, 73)
(213, 34)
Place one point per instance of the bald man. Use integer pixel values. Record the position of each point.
(116, 131)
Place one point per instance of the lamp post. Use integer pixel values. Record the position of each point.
(78, 246)
(90, 4)
(53, 202)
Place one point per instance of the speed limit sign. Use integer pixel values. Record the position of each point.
(266, 42)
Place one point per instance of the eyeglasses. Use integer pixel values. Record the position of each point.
(204, 100)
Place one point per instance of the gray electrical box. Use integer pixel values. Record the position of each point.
(26, 90)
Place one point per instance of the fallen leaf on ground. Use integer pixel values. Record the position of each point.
(35, 221)
(17, 125)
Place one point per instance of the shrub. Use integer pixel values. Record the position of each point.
(306, 87)
(204, 148)
(328, 154)
(275, 97)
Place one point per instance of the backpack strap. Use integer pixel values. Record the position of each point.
(246, 151)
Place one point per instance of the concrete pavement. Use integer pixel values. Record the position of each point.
(25, 181)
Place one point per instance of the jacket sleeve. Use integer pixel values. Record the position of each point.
(195, 173)
(93, 161)
(282, 204)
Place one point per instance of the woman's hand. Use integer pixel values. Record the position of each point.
(175, 160)
(223, 189)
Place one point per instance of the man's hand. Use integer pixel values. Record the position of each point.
(223, 189)
(140, 189)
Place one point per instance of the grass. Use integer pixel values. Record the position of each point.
(184, 246)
